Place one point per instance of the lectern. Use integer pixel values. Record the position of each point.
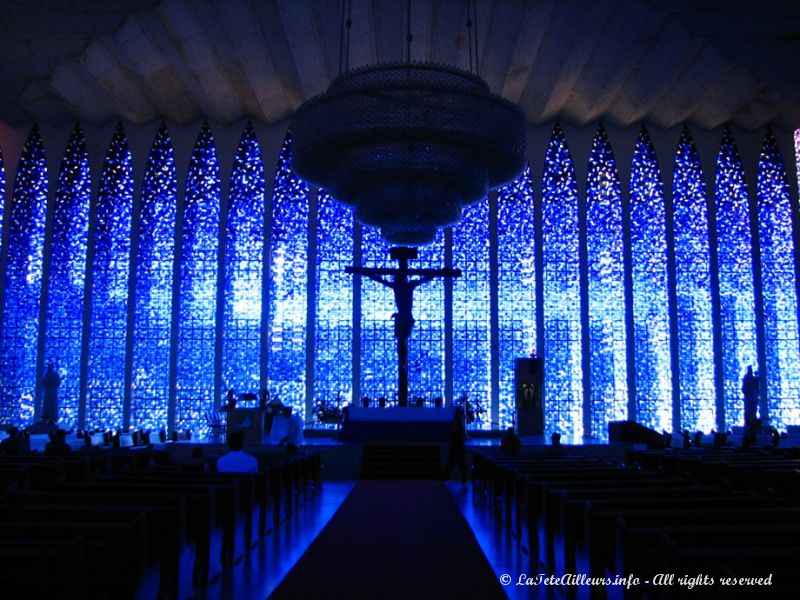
(248, 420)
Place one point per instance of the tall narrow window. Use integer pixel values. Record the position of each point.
(778, 285)
(2, 195)
(23, 284)
(333, 314)
(426, 344)
(64, 320)
(197, 298)
(562, 332)
(153, 297)
(609, 390)
(471, 308)
(244, 255)
(693, 288)
(288, 290)
(105, 389)
(735, 276)
(516, 280)
(650, 295)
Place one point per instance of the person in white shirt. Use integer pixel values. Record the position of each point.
(236, 460)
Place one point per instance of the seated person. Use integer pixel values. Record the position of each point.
(236, 460)
(58, 446)
(294, 434)
(14, 444)
(555, 444)
(510, 444)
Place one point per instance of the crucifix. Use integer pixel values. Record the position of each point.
(403, 289)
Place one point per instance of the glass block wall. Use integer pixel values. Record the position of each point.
(154, 292)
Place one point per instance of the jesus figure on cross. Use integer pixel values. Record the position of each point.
(403, 289)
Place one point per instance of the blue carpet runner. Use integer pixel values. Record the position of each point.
(394, 539)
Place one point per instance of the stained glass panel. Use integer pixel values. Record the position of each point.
(563, 382)
(241, 329)
(693, 289)
(152, 306)
(516, 280)
(778, 284)
(105, 390)
(735, 276)
(650, 295)
(606, 288)
(64, 321)
(197, 299)
(23, 284)
(471, 310)
(288, 285)
(333, 328)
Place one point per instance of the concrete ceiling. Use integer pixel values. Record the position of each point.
(706, 62)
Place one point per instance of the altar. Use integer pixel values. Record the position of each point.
(397, 424)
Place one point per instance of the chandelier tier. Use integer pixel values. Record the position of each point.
(408, 145)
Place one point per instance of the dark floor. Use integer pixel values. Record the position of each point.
(268, 564)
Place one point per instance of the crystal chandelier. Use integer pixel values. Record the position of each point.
(408, 145)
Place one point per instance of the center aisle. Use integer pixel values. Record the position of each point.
(394, 539)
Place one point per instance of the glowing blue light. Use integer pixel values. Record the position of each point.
(105, 389)
(735, 276)
(152, 307)
(516, 280)
(563, 388)
(650, 296)
(471, 309)
(609, 387)
(333, 324)
(244, 257)
(778, 285)
(2, 195)
(197, 297)
(693, 287)
(288, 285)
(64, 322)
(23, 284)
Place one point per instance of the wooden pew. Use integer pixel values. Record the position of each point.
(115, 553)
(600, 519)
(640, 549)
(166, 533)
(44, 568)
(203, 531)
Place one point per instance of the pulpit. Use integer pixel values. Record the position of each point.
(248, 420)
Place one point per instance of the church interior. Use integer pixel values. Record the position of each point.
(399, 299)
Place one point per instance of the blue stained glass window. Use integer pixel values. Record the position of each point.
(606, 287)
(23, 284)
(64, 321)
(153, 298)
(778, 284)
(241, 329)
(426, 344)
(105, 390)
(693, 289)
(333, 328)
(650, 295)
(2, 194)
(471, 309)
(562, 321)
(516, 280)
(288, 285)
(197, 299)
(735, 276)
